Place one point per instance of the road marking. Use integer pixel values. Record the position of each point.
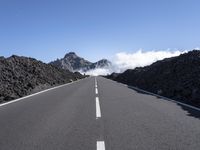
(19, 99)
(96, 90)
(100, 145)
(95, 82)
(192, 107)
(166, 98)
(98, 110)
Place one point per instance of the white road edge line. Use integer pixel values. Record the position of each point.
(100, 145)
(96, 90)
(183, 104)
(98, 110)
(19, 99)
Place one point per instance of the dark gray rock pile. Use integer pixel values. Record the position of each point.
(20, 76)
(176, 77)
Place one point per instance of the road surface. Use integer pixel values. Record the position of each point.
(97, 114)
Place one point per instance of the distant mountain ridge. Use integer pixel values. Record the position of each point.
(74, 63)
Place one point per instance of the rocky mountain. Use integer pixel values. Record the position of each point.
(72, 62)
(177, 77)
(20, 76)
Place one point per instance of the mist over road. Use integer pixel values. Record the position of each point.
(97, 113)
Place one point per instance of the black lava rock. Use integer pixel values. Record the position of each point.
(20, 76)
(177, 77)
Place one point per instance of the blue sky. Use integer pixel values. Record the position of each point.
(94, 29)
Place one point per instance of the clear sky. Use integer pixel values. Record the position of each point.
(94, 29)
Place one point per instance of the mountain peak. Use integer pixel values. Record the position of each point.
(70, 54)
(104, 61)
(74, 63)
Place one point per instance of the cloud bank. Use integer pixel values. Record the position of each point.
(123, 61)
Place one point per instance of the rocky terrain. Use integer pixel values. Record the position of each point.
(20, 76)
(73, 63)
(177, 77)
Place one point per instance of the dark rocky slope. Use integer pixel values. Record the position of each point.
(177, 77)
(20, 76)
(72, 62)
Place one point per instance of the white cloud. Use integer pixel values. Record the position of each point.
(123, 60)
(99, 71)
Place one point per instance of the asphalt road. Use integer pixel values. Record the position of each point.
(102, 115)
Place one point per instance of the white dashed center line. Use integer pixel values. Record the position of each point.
(100, 145)
(98, 110)
(96, 90)
(95, 83)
